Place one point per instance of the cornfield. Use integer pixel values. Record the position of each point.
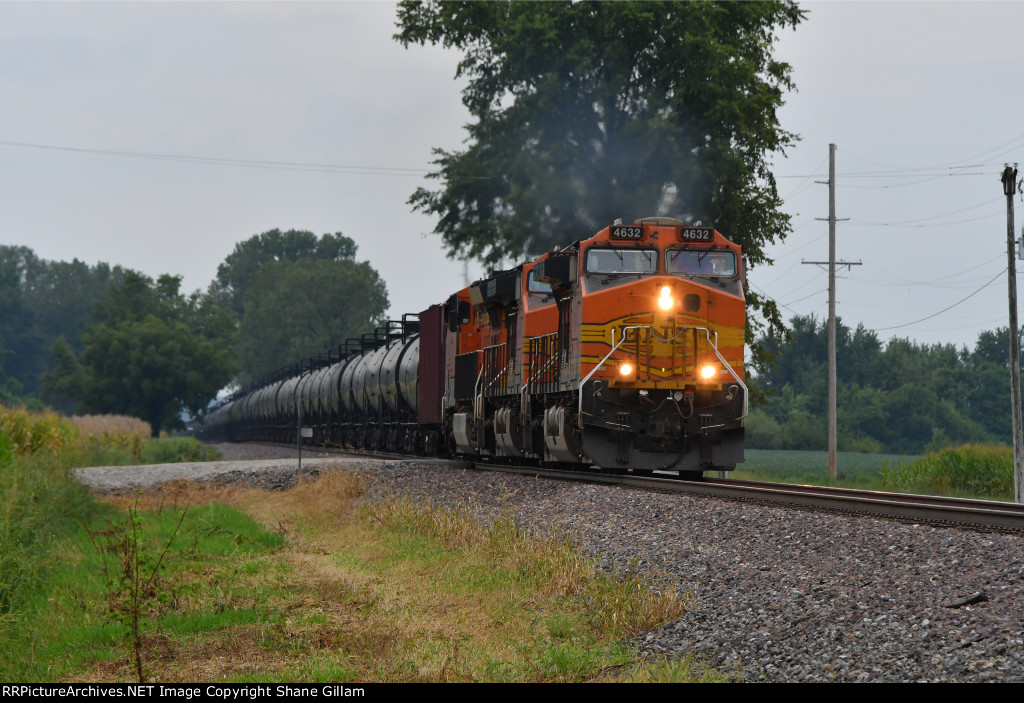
(24, 433)
(118, 431)
(33, 432)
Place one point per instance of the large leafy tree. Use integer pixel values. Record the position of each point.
(152, 353)
(250, 256)
(295, 294)
(587, 112)
(294, 309)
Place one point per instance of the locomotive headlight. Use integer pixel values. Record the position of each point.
(665, 301)
(626, 369)
(708, 371)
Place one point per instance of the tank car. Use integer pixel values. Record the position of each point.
(621, 352)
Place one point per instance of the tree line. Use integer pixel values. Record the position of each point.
(899, 396)
(105, 339)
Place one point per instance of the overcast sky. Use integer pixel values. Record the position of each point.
(922, 99)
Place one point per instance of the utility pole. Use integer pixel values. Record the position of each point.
(1009, 188)
(833, 470)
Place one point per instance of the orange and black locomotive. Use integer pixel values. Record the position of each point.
(621, 352)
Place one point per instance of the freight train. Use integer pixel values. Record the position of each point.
(622, 352)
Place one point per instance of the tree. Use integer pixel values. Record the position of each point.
(152, 353)
(16, 318)
(248, 257)
(588, 112)
(296, 309)
(62, 386)
(295, 295)
(41, 301)
(9, 388)
(62, 294)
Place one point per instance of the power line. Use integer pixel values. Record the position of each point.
(932, 217)
(901, 173)
(768, 295)
(817, 292)
(988, 153)
(854, 222)
(929, 179)
(248, 163)
(798, 186)
(962, 300)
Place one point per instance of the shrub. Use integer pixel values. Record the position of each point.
(171, 450)
(802, 430)
(861, 444)
(763, 432)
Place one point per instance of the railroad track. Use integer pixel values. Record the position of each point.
(983, 514)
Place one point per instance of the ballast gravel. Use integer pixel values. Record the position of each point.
(777, 594)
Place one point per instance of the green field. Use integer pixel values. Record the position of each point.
(811, 467)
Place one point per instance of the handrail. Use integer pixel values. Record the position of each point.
(551, 362)
(507, 368)
(600, 364)
(477, 406)
(732, 372)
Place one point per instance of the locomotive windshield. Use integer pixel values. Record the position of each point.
(703, 262)
(622, 261)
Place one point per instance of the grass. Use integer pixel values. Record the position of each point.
(196, 583)
(79, 628)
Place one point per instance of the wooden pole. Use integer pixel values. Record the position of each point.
(1009, 180)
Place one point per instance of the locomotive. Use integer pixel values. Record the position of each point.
(622, 352)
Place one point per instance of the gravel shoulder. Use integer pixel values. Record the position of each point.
(778, 595)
